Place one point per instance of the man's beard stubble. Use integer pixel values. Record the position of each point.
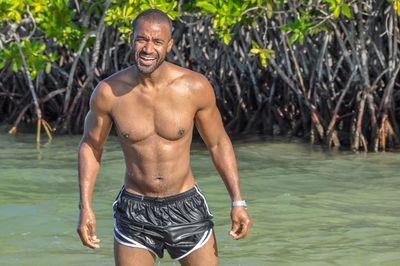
(148, 69)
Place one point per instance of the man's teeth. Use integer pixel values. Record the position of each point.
(147, 58)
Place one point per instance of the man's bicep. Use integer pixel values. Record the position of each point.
(209, 124)
(96, 128)
(208, 118)
(98, 120)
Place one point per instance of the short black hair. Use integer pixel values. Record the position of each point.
(153, 15)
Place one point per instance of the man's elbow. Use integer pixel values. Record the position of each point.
(85, 147)
(221, 143)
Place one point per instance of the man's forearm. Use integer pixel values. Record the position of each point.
(89, 164)
(224, 159)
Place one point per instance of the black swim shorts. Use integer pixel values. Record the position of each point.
(180, 223)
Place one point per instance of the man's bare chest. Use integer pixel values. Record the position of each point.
(138, 118)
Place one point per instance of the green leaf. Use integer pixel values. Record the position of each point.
(346, 11)
(301, 38)
(227, 38)
(14, 66)
(215, 22)
(254, 44)
(33, 73)
(285, 28)
(244, 5)
(222, 22)
(332, 3)
(269, 10)
(336, 12)
(207, 7)
(173, 14)
(129, 11)
(263, 61)
(255, 50)
(293, 38)
(124, 29)
(48, 68)
(42, 47)
(3, 64)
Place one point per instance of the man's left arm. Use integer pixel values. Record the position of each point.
(209, 124)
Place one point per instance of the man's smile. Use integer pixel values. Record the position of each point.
(147, 59)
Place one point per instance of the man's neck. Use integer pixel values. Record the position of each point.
(155, 78)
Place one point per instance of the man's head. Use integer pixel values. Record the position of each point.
(152, 39)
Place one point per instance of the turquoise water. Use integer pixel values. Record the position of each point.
(310, 207)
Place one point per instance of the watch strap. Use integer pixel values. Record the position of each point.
(239, 203)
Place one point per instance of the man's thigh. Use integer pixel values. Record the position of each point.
(207, 255)
(127, 256)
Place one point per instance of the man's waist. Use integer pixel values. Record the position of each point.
(160, 199)
(158, 187)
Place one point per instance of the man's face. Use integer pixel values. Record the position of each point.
(152, 41)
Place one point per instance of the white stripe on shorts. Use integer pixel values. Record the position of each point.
(204, 239)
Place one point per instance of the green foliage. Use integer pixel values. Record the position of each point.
(308, 22)
(226, 15)
(122, 12)
(396, 6)
(55, 19)
(263, 53)
(269, 5)
(10, 10)
(35, 57)
(339, 6)
(163, 5)
(299, 27)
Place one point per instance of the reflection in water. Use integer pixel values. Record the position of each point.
(310, 207)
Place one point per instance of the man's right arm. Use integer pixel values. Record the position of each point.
(97, 126)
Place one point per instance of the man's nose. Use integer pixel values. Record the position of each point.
(148, 47)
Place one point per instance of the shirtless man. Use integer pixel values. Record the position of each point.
(154, 106)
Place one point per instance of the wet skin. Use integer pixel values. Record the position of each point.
(154, 106)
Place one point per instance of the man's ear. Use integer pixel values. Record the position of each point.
(170, 43)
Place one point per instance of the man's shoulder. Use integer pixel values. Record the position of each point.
(198, 86)
(120, 78)
(109, 88)
(102, 97)
(114, 85)
(196, 80)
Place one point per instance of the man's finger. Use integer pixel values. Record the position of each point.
(240, 229)
(93, 240)
(92, 244)
(86, 239)
(235, 230)
(83, 235)
(92, 231)
(244, 229)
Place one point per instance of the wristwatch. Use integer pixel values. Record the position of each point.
(239, 203)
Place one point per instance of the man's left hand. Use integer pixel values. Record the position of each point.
(241, 222)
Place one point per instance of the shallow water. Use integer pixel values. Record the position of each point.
(310, 207)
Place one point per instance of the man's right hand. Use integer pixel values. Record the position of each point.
(87, 228)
